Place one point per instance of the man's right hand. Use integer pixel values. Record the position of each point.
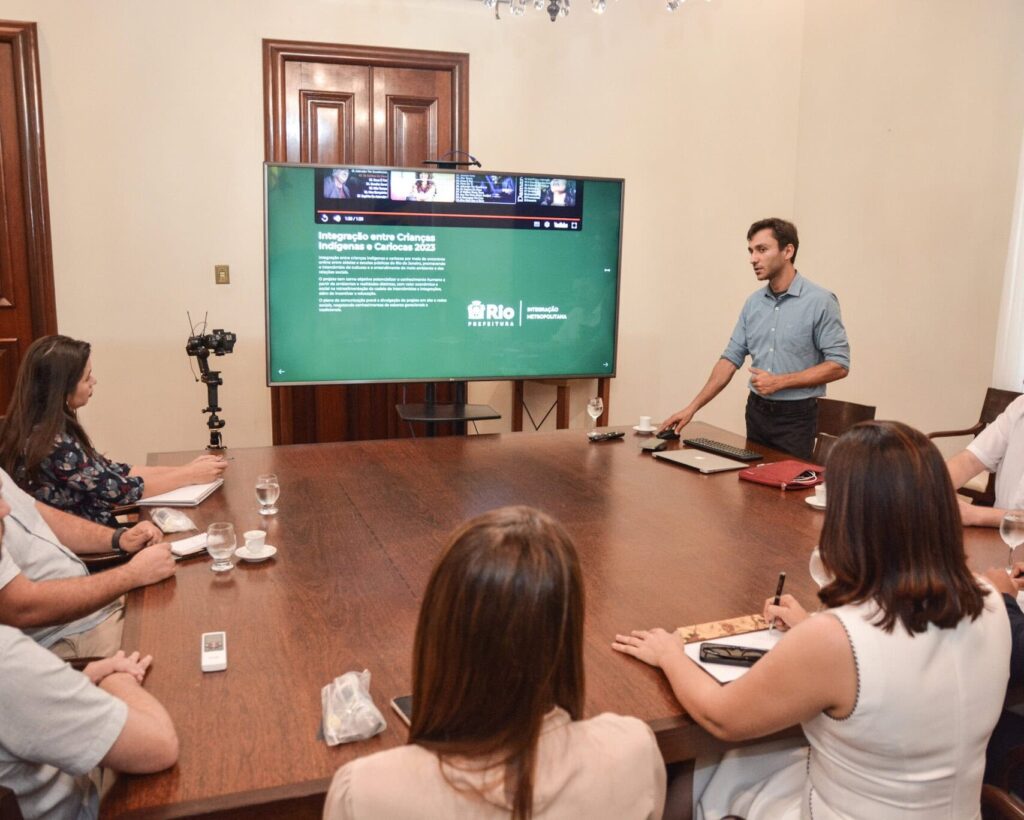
(677, 421)
(151, 565)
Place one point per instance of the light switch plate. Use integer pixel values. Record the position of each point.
(222, 274)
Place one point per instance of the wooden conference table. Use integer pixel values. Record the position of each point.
(359, 528)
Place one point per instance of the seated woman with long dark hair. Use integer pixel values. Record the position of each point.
(897, 683)
(45, 449)
(498, 696)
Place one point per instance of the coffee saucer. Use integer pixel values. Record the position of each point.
(267, 552)
(815, 502)
(640, 429)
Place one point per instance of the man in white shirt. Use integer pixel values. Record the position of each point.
(58, 724)
(47, 591)
(999, 448)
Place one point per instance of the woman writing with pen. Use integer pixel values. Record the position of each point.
(897, 683)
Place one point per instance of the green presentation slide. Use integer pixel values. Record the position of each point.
(439, 295)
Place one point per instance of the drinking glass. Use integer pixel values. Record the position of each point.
(595, 407)
(267, 492)
(1012, 531)
(220, 543)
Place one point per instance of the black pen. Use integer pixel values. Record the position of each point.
(778, 596)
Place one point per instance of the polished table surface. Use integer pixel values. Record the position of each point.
(359, 529)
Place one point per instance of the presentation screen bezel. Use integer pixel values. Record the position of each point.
(451, 377)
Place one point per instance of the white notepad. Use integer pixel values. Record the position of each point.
(189, 546)
(722, 672)
(188, 496)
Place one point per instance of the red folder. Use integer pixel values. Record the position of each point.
(787, 475)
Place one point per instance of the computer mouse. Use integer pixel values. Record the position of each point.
(668, 434)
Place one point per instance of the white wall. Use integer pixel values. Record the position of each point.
(911, 116)
(887, 128)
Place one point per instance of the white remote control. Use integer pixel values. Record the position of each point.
(213, 651)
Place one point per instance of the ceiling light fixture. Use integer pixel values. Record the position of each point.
(556, 8)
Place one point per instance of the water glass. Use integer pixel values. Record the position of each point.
(595, 407)
(267, 493)
(1011, 529)
(220, 544)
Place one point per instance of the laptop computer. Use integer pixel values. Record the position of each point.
(700, 460)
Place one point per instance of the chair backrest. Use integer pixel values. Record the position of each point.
(8, 805)
(996, 401)
(836, 417)
(822, 447)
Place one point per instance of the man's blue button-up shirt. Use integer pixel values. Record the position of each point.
(789, 333)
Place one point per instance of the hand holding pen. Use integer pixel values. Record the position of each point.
(775, 602)
(787, 612)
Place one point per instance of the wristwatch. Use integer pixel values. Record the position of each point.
(115, 541)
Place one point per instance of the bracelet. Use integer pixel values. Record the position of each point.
(115, 541)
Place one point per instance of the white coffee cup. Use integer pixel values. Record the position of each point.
(645, 423)
(255, 540)
(819, 493)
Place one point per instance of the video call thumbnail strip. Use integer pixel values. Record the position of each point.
(380, 196)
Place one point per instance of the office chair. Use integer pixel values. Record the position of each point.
(836, 417)
(996, 401)
(822, 447)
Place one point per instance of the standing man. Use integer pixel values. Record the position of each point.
(794, 335)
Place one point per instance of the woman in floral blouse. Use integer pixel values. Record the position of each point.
(44, 448)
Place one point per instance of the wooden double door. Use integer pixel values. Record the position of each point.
(356, 105)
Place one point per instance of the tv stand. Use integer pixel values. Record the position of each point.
(561, 402)
(459, 412)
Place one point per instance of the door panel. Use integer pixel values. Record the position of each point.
(328, 112)
(27, 305)
(412, 115)
(359, 105)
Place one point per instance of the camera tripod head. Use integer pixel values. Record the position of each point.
(199, 346)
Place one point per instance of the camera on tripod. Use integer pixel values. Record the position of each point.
(220, 342)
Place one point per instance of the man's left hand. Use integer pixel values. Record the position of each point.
(143, 534)
(763, 382)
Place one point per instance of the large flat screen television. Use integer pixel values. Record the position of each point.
(393, 274)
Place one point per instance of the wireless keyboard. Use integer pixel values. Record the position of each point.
(718, 448)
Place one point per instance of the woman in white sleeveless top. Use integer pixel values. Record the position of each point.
(897, 684)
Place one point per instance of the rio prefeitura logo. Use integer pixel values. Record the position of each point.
(489, 315)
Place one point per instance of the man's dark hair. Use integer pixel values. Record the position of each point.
(783, 231)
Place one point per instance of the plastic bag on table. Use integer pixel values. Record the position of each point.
(171, 520)
(349, 712)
